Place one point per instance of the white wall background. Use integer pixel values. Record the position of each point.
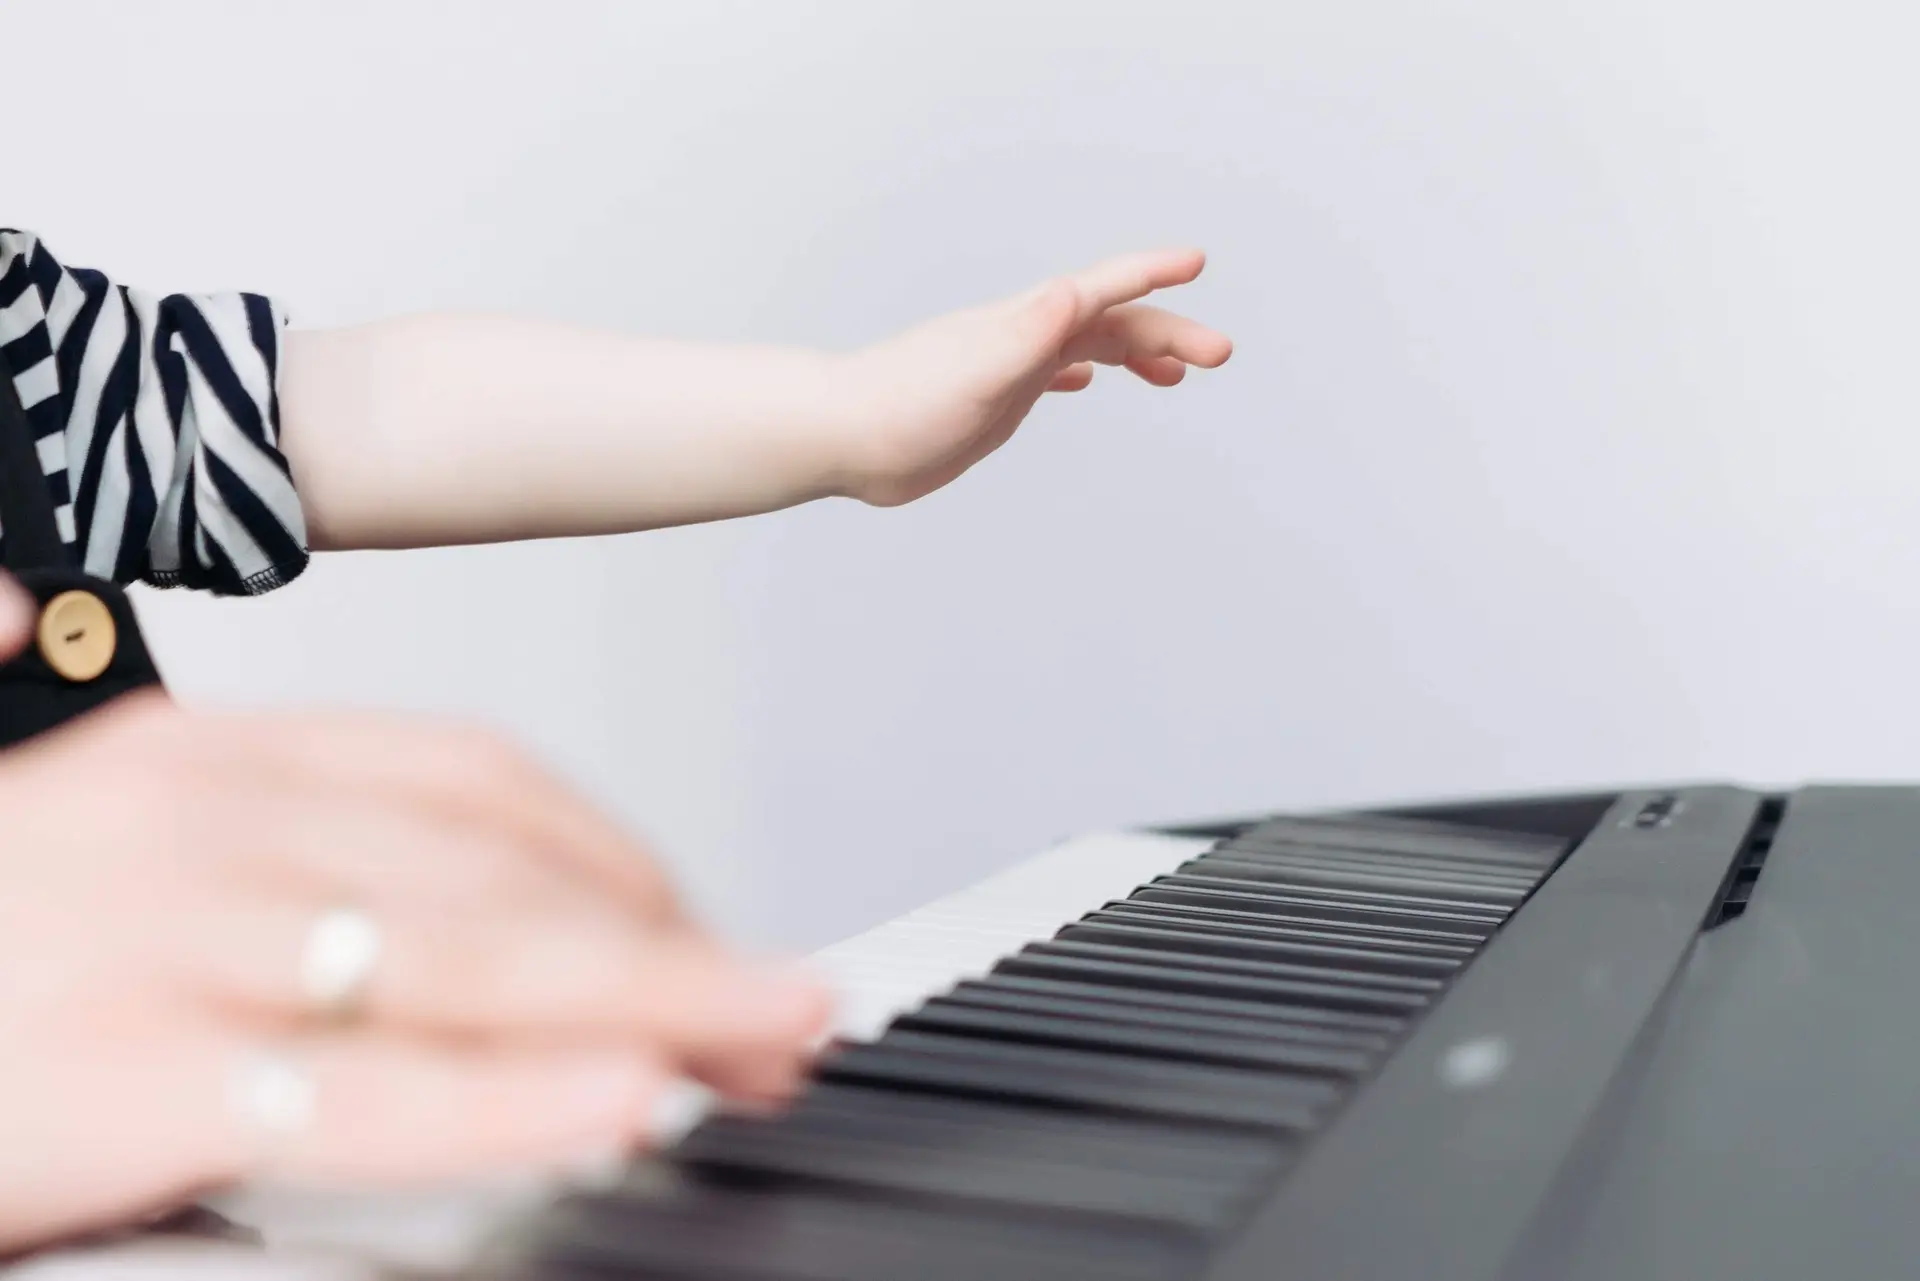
(1570, 437)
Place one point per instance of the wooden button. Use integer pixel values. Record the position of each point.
(77, 635)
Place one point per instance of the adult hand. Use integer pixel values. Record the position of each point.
(16, 618)
(537, 987)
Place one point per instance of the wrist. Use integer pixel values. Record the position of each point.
(827, 405)
(863, 445)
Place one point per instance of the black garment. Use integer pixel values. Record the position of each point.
(34, 696)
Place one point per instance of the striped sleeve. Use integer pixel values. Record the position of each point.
(158, 424)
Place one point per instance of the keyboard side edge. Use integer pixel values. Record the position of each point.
(1440, 1163)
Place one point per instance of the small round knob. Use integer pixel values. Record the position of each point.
(77, 635)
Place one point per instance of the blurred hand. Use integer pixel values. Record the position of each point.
(933, 401)
(538, 987)
(17, 615)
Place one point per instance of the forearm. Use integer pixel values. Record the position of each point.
(446, 429)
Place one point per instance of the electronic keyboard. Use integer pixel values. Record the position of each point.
(1662, 1033)
(1575, 1037)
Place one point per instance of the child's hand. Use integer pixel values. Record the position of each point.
(935, 400)
(561, 432)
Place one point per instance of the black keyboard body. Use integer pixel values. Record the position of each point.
(1662, 1033)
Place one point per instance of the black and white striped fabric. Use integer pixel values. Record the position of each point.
(157, 420)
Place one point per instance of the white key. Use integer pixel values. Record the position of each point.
(894, 967)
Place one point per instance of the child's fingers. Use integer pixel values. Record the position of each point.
(1139, 331)
(1131, 276)
(1161, 371)
(1075, 377)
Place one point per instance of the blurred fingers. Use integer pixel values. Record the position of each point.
(515, 975)
(474, 778)
(373, 1110)
(17, 615)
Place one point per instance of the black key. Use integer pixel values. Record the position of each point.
(1386, 891)
(1083, 1081)
(1211, 952)
(690, 1229)
(1263, 900)
(1275, 905)
(1105, 1103)
(1260, 911)
(1149, 973)
(1483, 858)
(1518, 838)
(995, 994)
(1395, 838)
(1352, 842)
(1346, 990)
(1425, 884)
(937, 1121)
(1529, 844)
(1284, 1090)
(1232, 941)
(1097, 984)
(1307, 856)
(987, 1173)
(1399, 908)
(1253, 925)
(938, 1015)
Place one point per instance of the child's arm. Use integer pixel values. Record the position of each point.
(464, 429)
